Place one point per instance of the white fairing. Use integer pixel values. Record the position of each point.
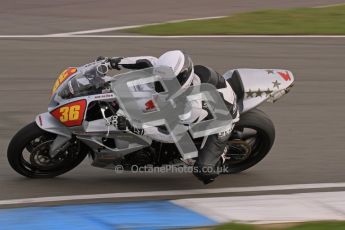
(133, 60)
(262, 85)
(47, 122)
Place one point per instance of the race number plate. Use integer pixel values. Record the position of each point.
(71, 114)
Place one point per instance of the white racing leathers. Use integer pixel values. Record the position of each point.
(215, 145)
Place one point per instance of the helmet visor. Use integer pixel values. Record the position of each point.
(186, 70)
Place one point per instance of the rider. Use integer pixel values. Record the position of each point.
(187, 74)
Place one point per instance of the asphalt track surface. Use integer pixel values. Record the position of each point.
(309, 121)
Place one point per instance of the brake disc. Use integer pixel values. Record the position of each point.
(238, 150)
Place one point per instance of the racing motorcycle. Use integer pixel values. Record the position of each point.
(83, 101)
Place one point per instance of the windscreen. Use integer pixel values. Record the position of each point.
(88, 81)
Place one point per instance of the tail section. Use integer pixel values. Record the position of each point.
(255, 86)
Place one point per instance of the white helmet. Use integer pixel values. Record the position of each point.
(180, 63)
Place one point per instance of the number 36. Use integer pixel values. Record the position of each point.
(69, 113)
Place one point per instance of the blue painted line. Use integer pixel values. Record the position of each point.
(106, 216)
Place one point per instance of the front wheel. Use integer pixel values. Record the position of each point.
(253, 138)
(28, 153)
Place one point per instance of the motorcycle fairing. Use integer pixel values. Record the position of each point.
(260, 85)
(71, 114)
(50, 124)
(92, 133)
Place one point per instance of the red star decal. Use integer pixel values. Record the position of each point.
(285, 76)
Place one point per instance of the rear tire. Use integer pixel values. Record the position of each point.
(265, 134)
(24, 141)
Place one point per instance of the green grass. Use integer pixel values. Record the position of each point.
(331, 225)
(301, 21)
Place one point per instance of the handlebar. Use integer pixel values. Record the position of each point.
(109, 63)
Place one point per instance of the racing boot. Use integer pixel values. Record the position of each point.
(207, 166)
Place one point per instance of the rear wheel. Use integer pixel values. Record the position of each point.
(253, 138)
(28, 153)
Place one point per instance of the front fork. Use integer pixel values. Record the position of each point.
(48, 123)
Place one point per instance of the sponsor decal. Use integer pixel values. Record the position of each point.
(149, 105)
(109, 95)
(63, 76)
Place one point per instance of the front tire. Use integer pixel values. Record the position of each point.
(28, 154)
(255, 139)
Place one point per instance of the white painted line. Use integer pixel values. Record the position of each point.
(28, 36)
(102, 30)
(261, 209)
(170, 37)
(172, 193)
(209, 36)
(331, 5)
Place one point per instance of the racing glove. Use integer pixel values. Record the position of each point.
(114, 62)
(121, 123)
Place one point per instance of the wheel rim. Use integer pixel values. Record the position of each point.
(35, 156)
(250, 141)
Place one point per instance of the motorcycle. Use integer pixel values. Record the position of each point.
(83, 101)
